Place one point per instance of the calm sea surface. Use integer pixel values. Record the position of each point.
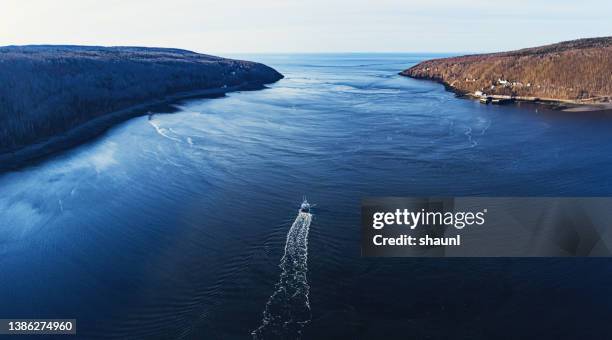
(174, 225)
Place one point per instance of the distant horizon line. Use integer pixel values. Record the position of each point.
(220, 53)
(341, 52)
(252, 52)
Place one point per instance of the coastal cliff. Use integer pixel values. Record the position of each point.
(47, 92)
(578, 71)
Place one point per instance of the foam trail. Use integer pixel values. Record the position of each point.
(468, 133)
(162, 131)
(288, 308)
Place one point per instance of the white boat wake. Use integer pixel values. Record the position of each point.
(288, 309)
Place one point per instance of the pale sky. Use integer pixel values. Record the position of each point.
(244, 26)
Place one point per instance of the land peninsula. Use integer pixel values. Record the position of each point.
(572, 72)
(53, 97)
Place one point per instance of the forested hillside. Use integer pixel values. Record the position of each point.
(578, 70)
(47, 90)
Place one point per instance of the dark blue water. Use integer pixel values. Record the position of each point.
(175, 227)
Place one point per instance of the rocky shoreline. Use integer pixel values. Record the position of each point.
(55, 97)
(33, 153)
(574, 73)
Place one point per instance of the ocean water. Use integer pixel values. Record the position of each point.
(186, 225)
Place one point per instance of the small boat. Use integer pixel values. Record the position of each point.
(485, 100)
(305, 207)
